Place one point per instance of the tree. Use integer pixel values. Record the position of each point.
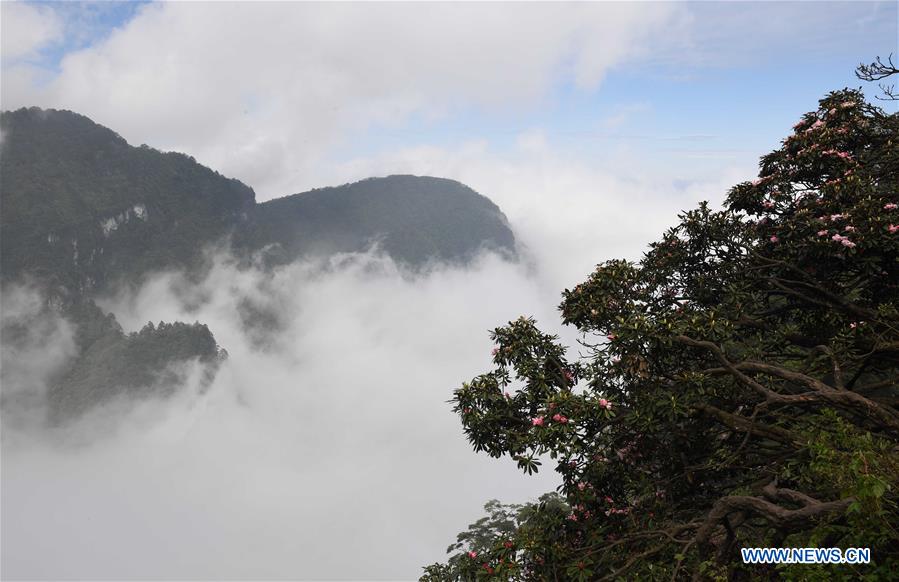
(738, 388)
(879, 70)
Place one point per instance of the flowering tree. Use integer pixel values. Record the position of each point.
(740, 386)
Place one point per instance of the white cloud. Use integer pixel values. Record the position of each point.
(27, 28)
(260, 91)
(571, 210)
(332, 453)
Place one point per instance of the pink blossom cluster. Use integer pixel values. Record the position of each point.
(817, 125)
(839, 154)
(890, 206)
(561, 419)
(843, 240)
(893, 228)
(605, 404)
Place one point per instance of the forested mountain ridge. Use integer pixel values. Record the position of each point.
(82, 209)
(83, 212)
(414, 219)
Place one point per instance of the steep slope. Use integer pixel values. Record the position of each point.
(81, 208)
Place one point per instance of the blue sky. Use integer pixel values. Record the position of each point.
(724, 80)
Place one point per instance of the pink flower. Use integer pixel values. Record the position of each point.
(611, 337)
(832, 111)
(893, 228)
(817, 125)
(847, 243)
(847, 104)
(537, 421)
(605, 404)
(822, 233)
(849, 228)
(560, 419)
(890, 206)
(494, 351)
(853, 325)
(472, 554)
(838, 238)
(572, 517)
(768, 204)
(608, 499)
(774, 239)
(836, 217)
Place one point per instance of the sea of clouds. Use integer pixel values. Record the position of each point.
(325, 447)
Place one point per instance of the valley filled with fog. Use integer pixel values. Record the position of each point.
(328, 430)
(327, 427)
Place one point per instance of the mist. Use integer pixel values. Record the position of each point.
(325, 447)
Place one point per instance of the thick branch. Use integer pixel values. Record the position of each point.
(780, 517)
(742, 424)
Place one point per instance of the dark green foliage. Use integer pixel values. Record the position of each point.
(111, 363)
(739, 386)
(63, 177)
(414, 219)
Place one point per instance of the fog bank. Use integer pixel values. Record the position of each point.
(325, 448)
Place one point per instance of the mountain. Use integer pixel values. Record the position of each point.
(82, 209)
(83, 212)
(413, 219)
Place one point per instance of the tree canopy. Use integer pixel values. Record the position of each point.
(735, 388)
